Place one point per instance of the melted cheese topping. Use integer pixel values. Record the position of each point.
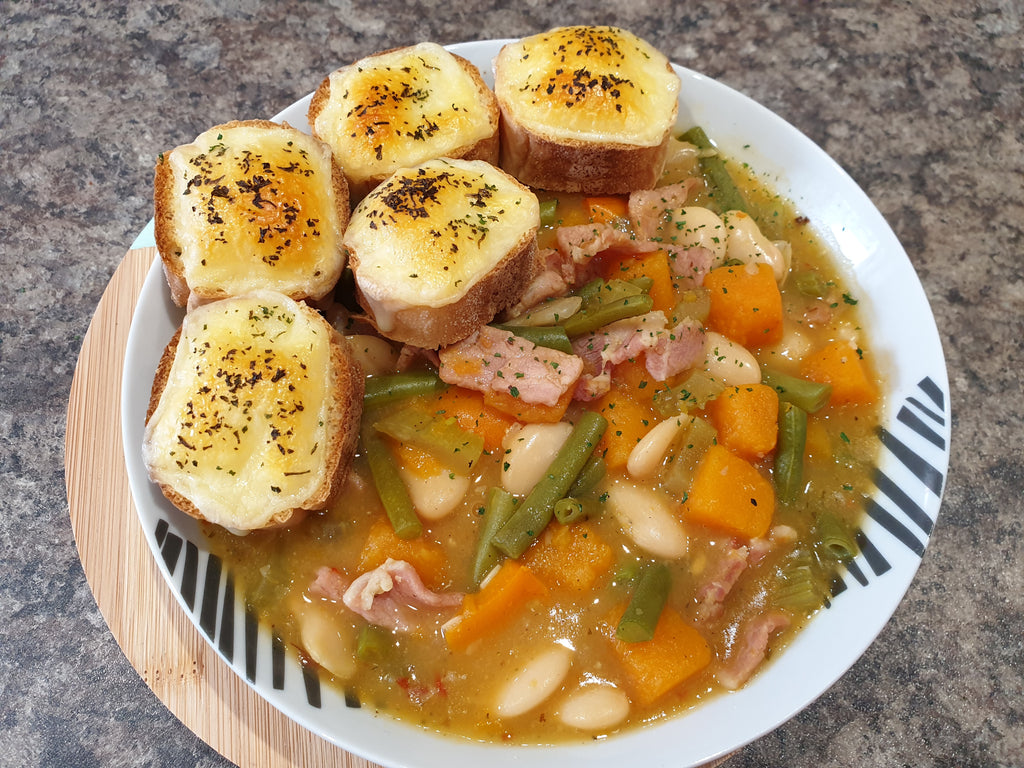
(598, 84)
(239, 427)
(427, 235)
(398, 109)
(256, 209)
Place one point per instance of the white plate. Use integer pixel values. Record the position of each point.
(910, 476)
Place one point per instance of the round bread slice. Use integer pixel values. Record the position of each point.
(401, 107)
(250, 205)
(254, 412)
(585, 110)
(438, 250)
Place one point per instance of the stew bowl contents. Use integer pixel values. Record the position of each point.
(618, 423)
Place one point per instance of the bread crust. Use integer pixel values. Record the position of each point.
(167, 229)
(342, 424)
(575, 166)
(433, 327)
(487, 148)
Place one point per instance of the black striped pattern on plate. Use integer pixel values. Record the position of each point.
(233, 628)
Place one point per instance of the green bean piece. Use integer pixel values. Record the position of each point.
(570, 509)
(381, 390)
(537, 508)
(548, 212)
(550, 336)
(390, 488)
(373, 644)
(810, 396)
(788, 471)
(641, 617)
(593, 472)
(498, 509)
(837, 543)
(723, 189)
(456, 448)
(588, 319)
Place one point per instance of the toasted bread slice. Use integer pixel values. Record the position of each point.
(254, 412)
(585, 109)
(402, 107)
(250, 205)
(438, 250)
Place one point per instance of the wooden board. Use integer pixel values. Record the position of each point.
(157, 637)
(155, 634)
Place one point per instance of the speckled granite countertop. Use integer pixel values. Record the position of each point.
(921, 102)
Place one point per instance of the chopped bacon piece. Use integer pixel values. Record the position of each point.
(499, 361)
(667, 351)
(652, 209)
(581, 242)
(724, 574)
(329, 584)
(392, 595)
(690, 263)
(750, 648)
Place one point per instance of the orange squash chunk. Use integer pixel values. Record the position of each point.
(746, 304)
(498, 603)
(840, 365)
(675, 653)
(570, 556)
(654, 265)
(628, 422)
(729, 494)
(468, 408)
(428, 558)
(747, 419)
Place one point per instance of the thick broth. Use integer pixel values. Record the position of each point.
(415, 677)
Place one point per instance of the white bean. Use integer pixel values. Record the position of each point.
(594, 708)
(648, 454)
(645, 516)
(327, 641)
(529, 452)
(745, 243)
(436, 495)
(534, 682)
(697, 226)
(727, 361)
(374, 354)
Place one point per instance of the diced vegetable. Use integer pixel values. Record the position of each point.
(388, 482)
(789, 458)
(607, 209)
(441, 437)
(628, 421)
(605, 302)
(811, 396)
(550, 336)
(641, 615)
(591, 474)
(836, 540)
(746, 304)
(496, 605)
(373, 644)
(499, 508)
(798, 586)
(570, 556)
(467, 407)
(675, 653)
(728, 493)
(654, 266)
(381, 390)
(427, 557)
(691, 449)
(747, 419)
(549, 212)
(722, 189)
(537, 508)
(528, 413)
(840, 365)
